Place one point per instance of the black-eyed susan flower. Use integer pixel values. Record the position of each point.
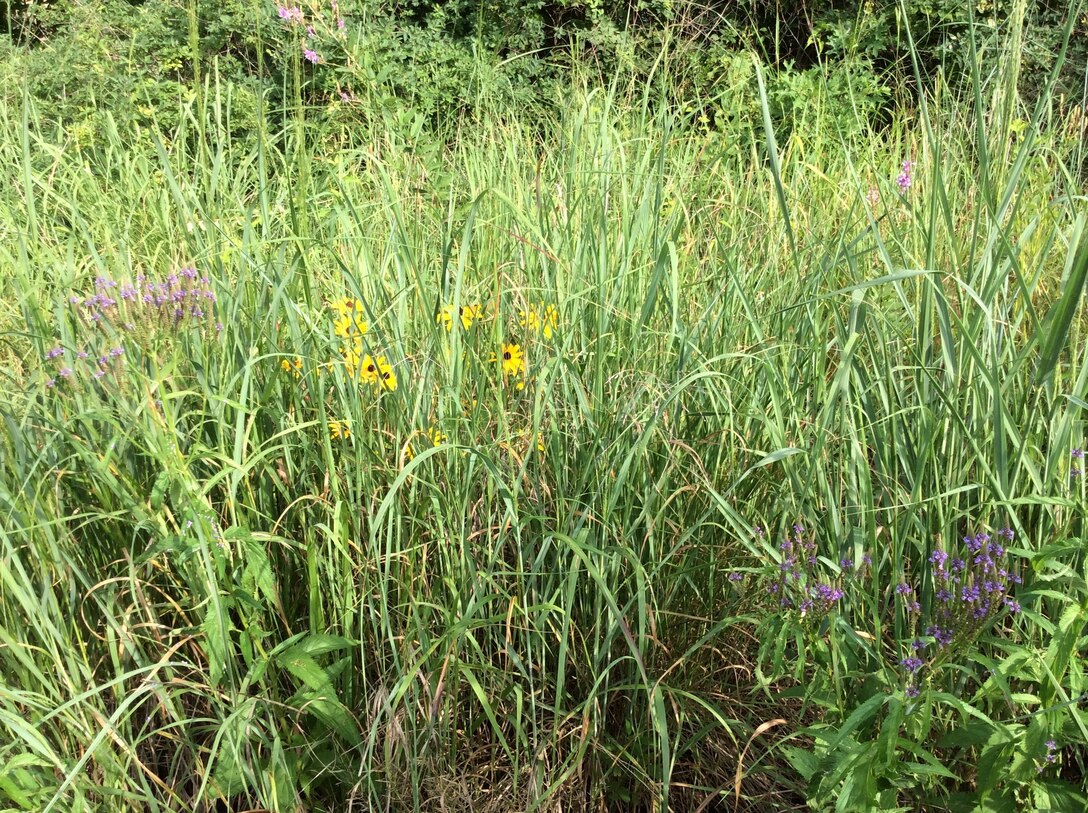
(339, 430)
(292, 367)
(541, 318)
(513, 360)
(347, 305)
(467, 314)
(387, 379)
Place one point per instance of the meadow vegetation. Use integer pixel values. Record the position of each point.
(695, 432)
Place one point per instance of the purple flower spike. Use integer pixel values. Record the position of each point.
(911, 691)
(904, 180)
(912, 664)
(311, 56)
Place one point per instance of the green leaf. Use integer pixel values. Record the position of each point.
(1061, 314)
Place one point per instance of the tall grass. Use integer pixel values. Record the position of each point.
(205, 594)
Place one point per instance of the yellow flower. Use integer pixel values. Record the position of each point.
(292, 367)
(540, 318)
(513, 361)
(386, 377)
(339, 430)
(540, 442)
(433, 435)
(347, 305)
(349, 326)
(467, 313)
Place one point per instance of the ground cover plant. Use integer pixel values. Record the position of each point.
(598, 455)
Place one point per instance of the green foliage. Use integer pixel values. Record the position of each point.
(242, 570)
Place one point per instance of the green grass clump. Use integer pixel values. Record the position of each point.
(516, 565)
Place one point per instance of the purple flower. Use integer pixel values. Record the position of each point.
(1078, 454)
(82, 354)
(911, 690)
(912, 664)
(969, 595)
(52, 382)
(340, 23)
(938, 558)
(758, 531)
(1013, 605)
(65, 372)
(310, 31)
(845, 563)
(1051, 745)
(944, 596)
(866, 559)
(344, 96)
(56, 352)
(903, 589)
(1007, 533)
(311, 55)
(99, 373)
(116, 352)
(736, 577)
(904, 180)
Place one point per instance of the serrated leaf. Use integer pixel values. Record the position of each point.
(217, 627)
(302, 665)
(320, 643)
